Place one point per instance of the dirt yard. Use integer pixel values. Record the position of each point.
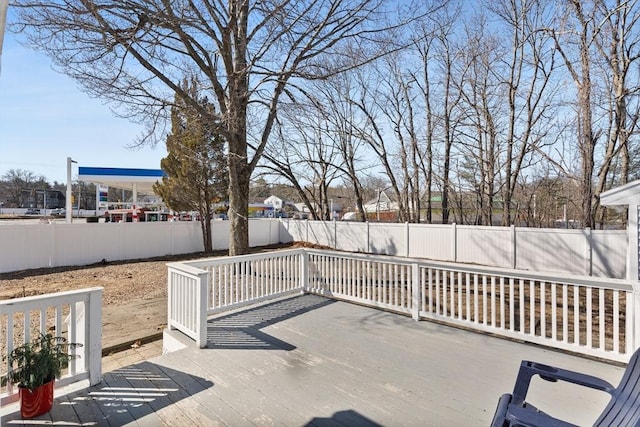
(134, 296)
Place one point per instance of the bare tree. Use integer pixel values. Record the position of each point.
(530, 65)
(249, 53)
(618, 45)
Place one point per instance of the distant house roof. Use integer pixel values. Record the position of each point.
(381, 202)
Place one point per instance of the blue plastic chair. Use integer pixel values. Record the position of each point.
(623, 408)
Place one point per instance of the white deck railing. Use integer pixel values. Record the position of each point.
(598, 317)
(205, 287)
(75, 315)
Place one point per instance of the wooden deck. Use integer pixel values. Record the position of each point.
(310, 361)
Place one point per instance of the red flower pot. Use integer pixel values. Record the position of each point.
(37, 402)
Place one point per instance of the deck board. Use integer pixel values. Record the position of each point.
(310, 361)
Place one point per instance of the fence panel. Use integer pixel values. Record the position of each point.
(352, 236)
(321, 233)
(485, 245)
(387, 239)
(609, 253)
(431, 241)
(552, 250)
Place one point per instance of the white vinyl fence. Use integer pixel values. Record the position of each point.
(29, 246)
(75, 315)
(582, 314)
(600, 253)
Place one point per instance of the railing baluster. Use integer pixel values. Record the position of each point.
(565, 313)
(460, 292)
(589, 317)
(576, 314)
(532, 308)
(493, 301)
(602, 319)
(543, 310)
(616, 321)
(554, 311)
(512, 309)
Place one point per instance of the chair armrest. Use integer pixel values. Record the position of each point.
(550, 373)
(530, 416)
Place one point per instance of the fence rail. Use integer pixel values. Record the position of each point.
(75, 315)
(582, 314)
(600, 253)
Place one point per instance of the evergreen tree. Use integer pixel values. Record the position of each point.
(195, 165)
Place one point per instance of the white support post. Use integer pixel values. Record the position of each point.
(93, 337)
(169, 299)
(304, 271)
(335, 234)
(201, 307)
(416, 296)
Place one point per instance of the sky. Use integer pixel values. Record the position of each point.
(45, 118)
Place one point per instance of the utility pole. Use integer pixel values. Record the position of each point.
(4, 5)
(69, 206)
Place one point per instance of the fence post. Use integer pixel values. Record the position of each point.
(304, 270)
(335, 234)
(368, 239)
(93, 336)
(307, 231)
(201, 308)
(514, 245)
(416, 296)
(454, 229)
(589, 252)
(406, 224)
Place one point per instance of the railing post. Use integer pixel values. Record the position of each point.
(169, 298)
(93, 337)
(304, 270)
(416, 296)
(201, 308)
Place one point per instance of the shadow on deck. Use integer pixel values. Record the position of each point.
(124, 396)
(243, 330)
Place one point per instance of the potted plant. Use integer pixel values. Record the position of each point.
(34, 367)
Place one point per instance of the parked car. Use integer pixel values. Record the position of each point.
(58, 212)
(32, 211)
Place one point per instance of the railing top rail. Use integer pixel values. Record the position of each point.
(589, 281)
(185, 268)
(200, 263)
(48, 299)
